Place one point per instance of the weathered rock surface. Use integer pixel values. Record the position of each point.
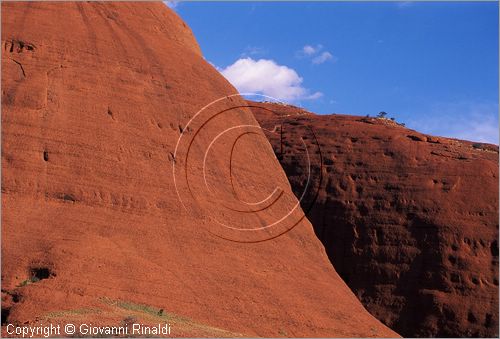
(95, 97)
(410, 221)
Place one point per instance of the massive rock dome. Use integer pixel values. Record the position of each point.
(100, 101)
(410, 221)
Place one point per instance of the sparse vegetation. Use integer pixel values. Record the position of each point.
(383, 115)
(29, 281)
(75, 312)
(484, 147)
(141, 311)
(137, 307)
(282, 332)
(128, 313)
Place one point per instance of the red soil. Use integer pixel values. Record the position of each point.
(410, 221)
(94, 98)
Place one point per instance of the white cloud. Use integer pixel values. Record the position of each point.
(323, 57)
(463, 120)
(310, 50)
(313, 52)
(404, 4)
(481, 131)
(314, 96)
(171, 3)
(484, 129)
(267, 77)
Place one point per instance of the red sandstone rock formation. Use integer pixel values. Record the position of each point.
(410, 221)
(95, 97)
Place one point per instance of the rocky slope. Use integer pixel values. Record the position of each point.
(99, 115)
(409, 221)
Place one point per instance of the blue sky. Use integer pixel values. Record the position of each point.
(433, 66)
